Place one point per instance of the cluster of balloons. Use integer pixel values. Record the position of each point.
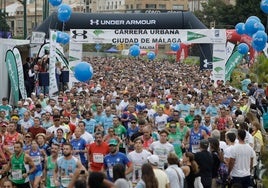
(256, 30)
(64, 14)
(83, 71)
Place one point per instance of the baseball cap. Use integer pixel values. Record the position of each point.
(113, 142)
(153, 160)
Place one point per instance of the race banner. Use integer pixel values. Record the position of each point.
(229, 49)
(231, 64)
(17, 55)
(75, 56)
(148, 36)
(59, 54)
(218, 62)
(13, 74)
(53, 88)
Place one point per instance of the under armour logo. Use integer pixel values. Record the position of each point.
(92, 22)
(75, 34)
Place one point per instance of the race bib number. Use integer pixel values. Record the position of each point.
(111, 172)
(52, 184)
(195, 148)
(36, 160)
(98, 158)
(65, 181)
(16, 174)
(11, 148)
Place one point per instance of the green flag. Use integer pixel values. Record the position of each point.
(235, 58)
(13, 74)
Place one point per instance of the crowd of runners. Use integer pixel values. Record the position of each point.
(137, 123)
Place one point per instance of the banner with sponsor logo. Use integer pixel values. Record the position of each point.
(20, 73)
(75, 56)
(148, 36)
(231, 64)
(53, 88)
(218, 62)
(13, 74)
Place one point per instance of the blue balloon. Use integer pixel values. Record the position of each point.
(254, 18)
(259, 38)
(175, 47)
(243, 48)
(264, 6)
(258, 48)
(251, 27)
(64, 12)
(83, 71)
(134, 51)
(261, 27)
(59, 37)
(55, 3)
(151, 55)
(65, 38)
(240, 28)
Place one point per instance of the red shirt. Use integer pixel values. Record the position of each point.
(97, 153)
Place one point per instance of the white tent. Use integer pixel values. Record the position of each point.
(5, 45)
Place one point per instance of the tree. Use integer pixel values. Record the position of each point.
(227, 16)
(3, 23)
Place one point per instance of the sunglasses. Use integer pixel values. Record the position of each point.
(56, 119)
(133, 122)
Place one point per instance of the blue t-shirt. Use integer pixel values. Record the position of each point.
(79, 144)
(107, 122)
(90, 125)
(36, 157)
(65, 169)
(111, 160)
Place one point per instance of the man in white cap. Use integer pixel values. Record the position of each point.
(161, 176)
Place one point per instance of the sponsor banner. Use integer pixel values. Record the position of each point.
(218, 62)
(17, 55)
(38, 37)
(53, 88)
(75, 57)
(13, 74)
(148, 36)
(229, 49)
(59, 54)
(231, 64)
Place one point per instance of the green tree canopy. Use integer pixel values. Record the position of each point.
(3, 23)
(227, 16)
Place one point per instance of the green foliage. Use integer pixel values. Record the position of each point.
(236, 77)
(3, 23)
(260, 69)
(192, 60)
(227, 16)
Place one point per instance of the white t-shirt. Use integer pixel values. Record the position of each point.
(175, 176)
(242, 153)
(138, 159)
(86, 136)
(54, 129)
(162, 151)
(161, 121)
(227, 151)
